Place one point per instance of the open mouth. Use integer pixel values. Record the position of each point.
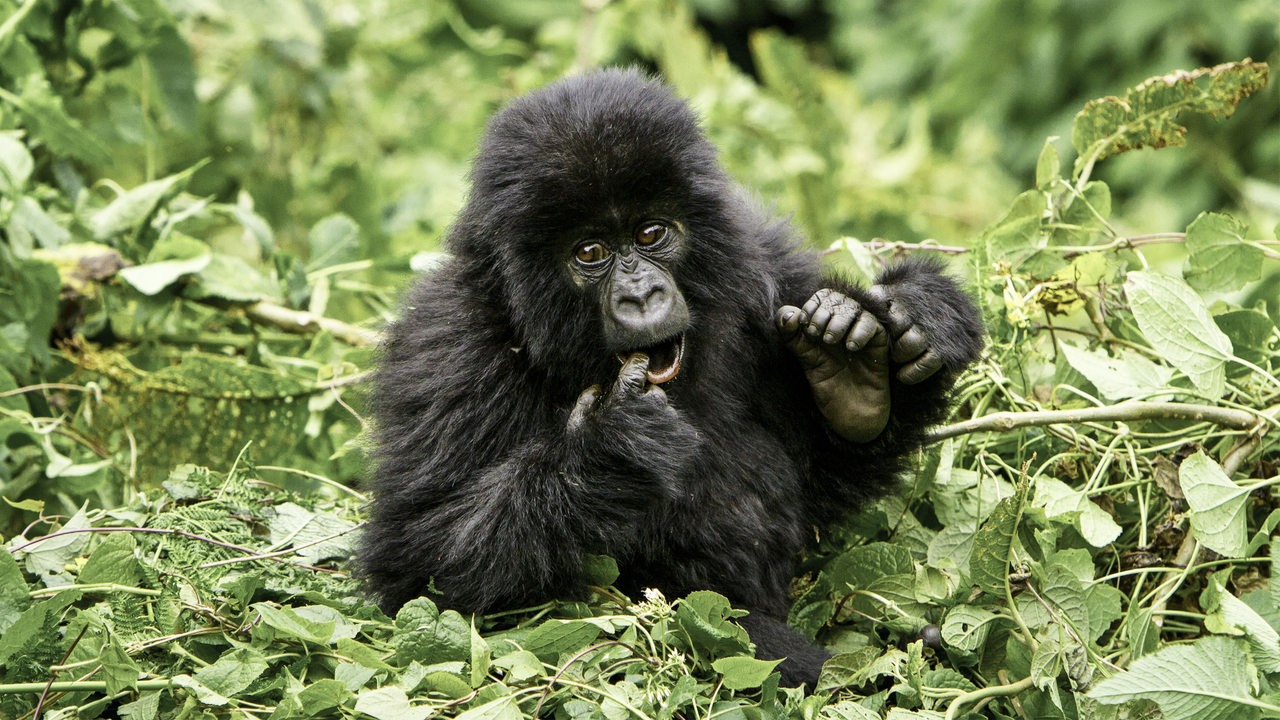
(664, 359)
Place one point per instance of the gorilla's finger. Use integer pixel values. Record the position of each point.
(892, 315)
(818, 320)
(920, 369)
(843, 318)
(789, 319)
(815, 300)
(866, 331)
(585, 403)
(911, 344)
(631, 378)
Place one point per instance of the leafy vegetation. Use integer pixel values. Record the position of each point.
(207, 210)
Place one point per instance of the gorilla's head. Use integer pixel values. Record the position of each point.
(594, 203)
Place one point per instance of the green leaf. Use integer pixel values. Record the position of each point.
(503, 708)
(1177, 323)
(554, 638)
(230, 278)
(132, 208)
(36, 624)
(429, 636)
(1218, 258)
(113, 562)
(13, 591)
(993, 543)
(600, 570)
(317, 536)
(965, 627)
(1264, 641)
(744, 673)
(1206, 680)
(704, 616)
(16, 164)
(333, 240)
(1146, 117)
(118, 669)
(1058, 499)
(1217, 505)
(1127, 375)
(151, 278)
(288, 623)
(233, 672)
(390, 703)
(50, 124)
(1048, 166)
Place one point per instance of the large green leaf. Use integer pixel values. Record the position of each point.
(1217, 505)
(1206, 680)
(1176, 321)
(1218, 258)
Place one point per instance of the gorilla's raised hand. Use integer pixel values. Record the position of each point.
(845, 352)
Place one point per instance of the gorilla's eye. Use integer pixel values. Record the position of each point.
(591, 253)
(651, 234)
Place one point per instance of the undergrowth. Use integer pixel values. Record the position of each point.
(1088, 537)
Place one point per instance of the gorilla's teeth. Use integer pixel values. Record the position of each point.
(659, 375)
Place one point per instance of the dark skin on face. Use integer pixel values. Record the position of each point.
(643, 312)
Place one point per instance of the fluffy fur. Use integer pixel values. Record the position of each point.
(484, 493)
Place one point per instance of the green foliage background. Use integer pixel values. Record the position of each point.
(207, 210)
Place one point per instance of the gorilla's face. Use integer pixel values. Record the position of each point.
(600, 208)
(628, 274)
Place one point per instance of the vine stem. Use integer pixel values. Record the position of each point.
(986, 693)
(1132, 410)
(77, 686)
(300, 321)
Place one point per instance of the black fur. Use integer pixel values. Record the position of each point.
(483, 489)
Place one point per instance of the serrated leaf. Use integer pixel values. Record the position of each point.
(744, 673)
(1206, 680)
(1263, 639)
(1146, 117)
(13, 591)
(1217, 505)
(1177, 324)
(992, 544)
(965, 627)
(1218, 258)
(49, 123)
(554, 638)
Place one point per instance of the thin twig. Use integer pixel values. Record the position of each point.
(1125, 411)
(302, 322)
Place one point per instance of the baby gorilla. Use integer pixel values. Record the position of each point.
(624, 355)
